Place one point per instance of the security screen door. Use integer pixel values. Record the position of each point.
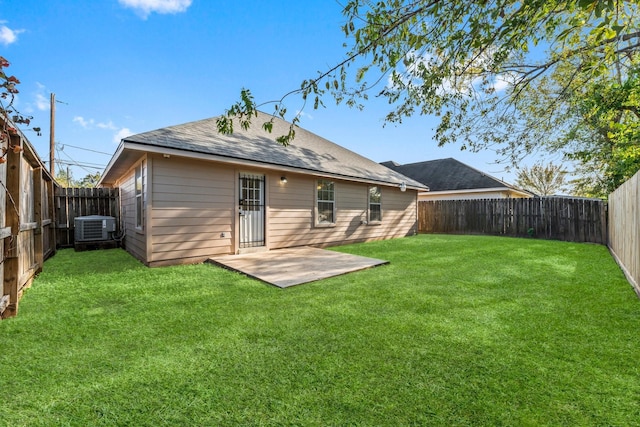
(251, 210)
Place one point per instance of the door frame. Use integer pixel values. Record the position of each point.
(260, 243)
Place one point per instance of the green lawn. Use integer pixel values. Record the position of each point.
(457, 330)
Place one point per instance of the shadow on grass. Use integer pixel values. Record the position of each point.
(457, 330)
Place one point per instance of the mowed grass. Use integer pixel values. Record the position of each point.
(457, 330)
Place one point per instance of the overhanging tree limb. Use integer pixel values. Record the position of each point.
(469, 63)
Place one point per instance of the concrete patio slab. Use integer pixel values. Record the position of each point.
(294, 266)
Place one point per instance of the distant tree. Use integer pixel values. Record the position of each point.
(543, 180)
(65, 178)
(90, 180)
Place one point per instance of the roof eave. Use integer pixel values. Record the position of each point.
(483, 190)
(121, 162)
(107, 179)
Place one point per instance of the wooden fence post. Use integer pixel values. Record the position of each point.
(53, 238)
(38, 232)
(13, 200)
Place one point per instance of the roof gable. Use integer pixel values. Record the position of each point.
(448, 175)
(308, 152)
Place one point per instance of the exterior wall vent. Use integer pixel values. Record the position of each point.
(94, 228)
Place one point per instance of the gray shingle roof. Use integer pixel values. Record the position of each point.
(448, 175)
(308, 152)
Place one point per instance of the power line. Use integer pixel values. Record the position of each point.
(76, 163)
(85, 149)
(98, 165)
(80, 164)
(66, 162)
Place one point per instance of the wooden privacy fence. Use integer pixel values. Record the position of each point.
(558, 218)
(624, 228)
(74, 202)
(27, 232)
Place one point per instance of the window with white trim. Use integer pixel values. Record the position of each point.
(326, 202)
(375, 204)
(139, 190)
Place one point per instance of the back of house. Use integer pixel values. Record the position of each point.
(189, 193)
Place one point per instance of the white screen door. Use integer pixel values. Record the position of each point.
(251, 210)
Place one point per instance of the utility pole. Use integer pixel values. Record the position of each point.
(52, 123)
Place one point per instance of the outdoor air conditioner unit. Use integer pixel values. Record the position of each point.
(94, 227)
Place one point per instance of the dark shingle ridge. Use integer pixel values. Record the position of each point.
(447, 175)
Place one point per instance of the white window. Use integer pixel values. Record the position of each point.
(375, 204)
(139, 187)
(326, 202)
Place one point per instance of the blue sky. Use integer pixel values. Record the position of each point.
(121, 67)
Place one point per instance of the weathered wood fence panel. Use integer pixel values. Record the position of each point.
(557, 218)
(33, 207)
(26, 232)
(48, 220)
(74, 202)
(5, 232)
(624, 228)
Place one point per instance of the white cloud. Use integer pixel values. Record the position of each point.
(146, 7)
(109, 125)
(7, 35)
(122, 133)
(464, 82)
(42, 103)
(91, 124)
(503, 81)
(303, 114)
(39, 102)
(411, 76)
(87, 124)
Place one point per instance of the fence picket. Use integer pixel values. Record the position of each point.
(624, 231)
(557, 218)
(75, 202)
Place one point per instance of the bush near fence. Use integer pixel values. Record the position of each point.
(556, 218)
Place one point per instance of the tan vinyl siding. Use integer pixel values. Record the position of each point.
(291, 211)
(291, 220)
(399, 213)
(193, 206)
(135, 240)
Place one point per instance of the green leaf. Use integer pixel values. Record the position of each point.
(610, 33)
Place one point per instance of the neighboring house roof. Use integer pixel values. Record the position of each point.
(450, 175)
(307, 153)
